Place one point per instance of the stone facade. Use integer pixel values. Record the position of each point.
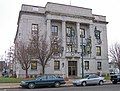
(68, 20)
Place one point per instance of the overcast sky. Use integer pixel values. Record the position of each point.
(9, 11)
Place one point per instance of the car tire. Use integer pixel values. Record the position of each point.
(31, 85)
(100, 82)
(57, 84)
(114, 82)
(84, 83)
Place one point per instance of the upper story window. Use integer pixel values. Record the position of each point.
(54, 30)
(97, 33)
(70, 35)
(98, 50)
(84, 49)
(34, 29)
(86, 65)
(82, 32)
(70, 32)
(56, 65)
(99, 65)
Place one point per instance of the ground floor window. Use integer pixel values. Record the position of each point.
(33, 65)
(86, 65)
(99, 65)
(56, 65)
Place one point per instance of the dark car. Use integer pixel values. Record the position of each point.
(115, 78)
(46, 80)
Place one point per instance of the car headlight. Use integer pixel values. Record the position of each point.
(23, 82)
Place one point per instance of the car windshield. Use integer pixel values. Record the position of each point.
(86, 76)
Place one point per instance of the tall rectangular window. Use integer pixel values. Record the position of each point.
(34, 65)
(82, 32)
(56, 65)
(98, 51)
(99, 65)
(34, 29)
(69, 48)
(70, 35)
(84, 49)
(54, 30)
(86, 65)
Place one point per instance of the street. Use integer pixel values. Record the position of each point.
(110, 87)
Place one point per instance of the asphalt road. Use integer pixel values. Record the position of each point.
(86, 88)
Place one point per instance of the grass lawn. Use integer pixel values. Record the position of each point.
(12, 80)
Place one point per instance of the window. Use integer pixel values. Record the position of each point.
(56, 65)
(34, 29)
(34, 65)
(54, 30)
(84, 49)
(69, 48)
(97, 33)
(70, 35)
(86, 65)
(82, 33)
(70, 32)
(98, 50)
(99, 65)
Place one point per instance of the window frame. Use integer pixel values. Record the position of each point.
(82, 36)
(56, 65)
(99, 65)
(54, 30)
(33, 63)
(98, 50)
(34, 29)
(87, 64)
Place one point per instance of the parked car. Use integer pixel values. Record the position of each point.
(89, 80)
(46, 80)
(115, 78)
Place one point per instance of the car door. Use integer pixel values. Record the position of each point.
(41, 81)
(51, 79)
(91, 79)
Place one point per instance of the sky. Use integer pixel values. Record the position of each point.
(9, 11)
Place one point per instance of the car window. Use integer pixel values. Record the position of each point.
(93, 76)
(51, 77)
(41, 78)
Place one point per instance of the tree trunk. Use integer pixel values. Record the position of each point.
(43, 70)
(26, 70)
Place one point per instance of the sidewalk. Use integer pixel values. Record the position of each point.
(17, 85)
(9, 85)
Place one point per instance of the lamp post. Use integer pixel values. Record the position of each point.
(81, 35)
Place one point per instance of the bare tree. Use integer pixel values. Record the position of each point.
(44, 50)
(115, 54)
(23, 55)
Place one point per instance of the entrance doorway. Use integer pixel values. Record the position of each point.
(72, 68)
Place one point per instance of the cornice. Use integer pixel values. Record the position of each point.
(98, 21)
(69, 15)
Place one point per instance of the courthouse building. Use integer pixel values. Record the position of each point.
(83, 34)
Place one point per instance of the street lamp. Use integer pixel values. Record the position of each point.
(82, 35)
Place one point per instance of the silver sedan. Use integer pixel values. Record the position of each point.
(89, 80)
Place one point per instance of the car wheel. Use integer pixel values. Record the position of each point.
(31, 85)
(114, 82)
(57, 84)
(84, 83)
(100, 82)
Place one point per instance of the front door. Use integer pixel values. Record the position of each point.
(72, 68)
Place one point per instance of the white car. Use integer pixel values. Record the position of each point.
(89, 80)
